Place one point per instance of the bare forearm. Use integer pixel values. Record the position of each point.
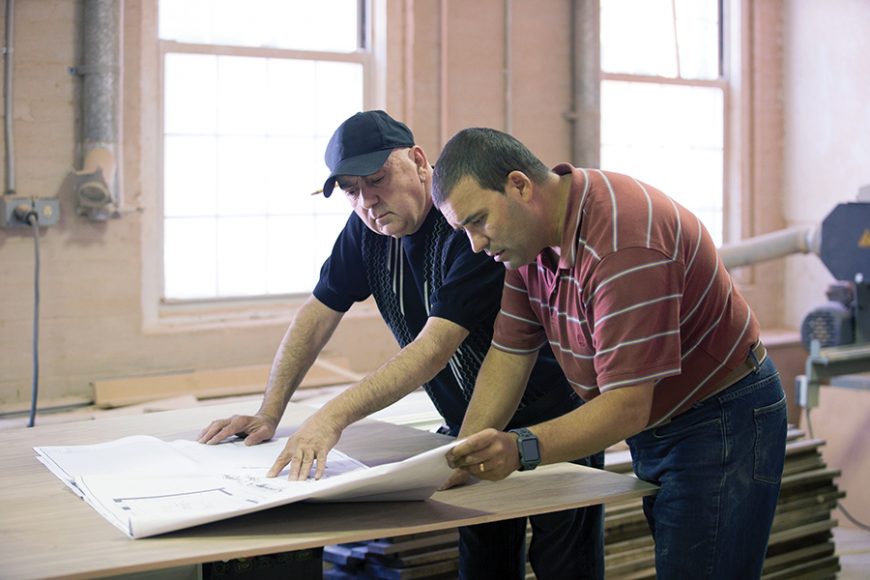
(415, 364)
(609, 418)
(598, 424)
(309, 332)
(497, 392)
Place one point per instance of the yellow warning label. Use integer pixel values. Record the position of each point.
(864, 242)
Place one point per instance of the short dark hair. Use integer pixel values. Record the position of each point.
(488, 156)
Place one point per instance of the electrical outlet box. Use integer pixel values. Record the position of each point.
(9, 203)
(47, 211)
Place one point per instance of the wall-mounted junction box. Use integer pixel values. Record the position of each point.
(47, 211)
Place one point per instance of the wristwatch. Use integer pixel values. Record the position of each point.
(527, 445)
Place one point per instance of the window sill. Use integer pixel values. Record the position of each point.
(191, 316)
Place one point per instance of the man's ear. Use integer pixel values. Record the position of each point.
(419, 158)
(518, 183)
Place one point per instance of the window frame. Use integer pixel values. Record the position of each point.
(168, 314)
(729, 32)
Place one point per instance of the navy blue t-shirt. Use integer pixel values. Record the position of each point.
(434, 272)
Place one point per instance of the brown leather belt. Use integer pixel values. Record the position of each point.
(756, 356)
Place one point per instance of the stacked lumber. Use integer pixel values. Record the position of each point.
(801, 542)
(426, 555)
(628, 545)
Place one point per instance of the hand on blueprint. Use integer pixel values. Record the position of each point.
(254, 428)
(307, 447)
(458, 478)
(489, 454)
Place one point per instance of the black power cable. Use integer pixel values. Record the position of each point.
(29, 216)
(34, 224)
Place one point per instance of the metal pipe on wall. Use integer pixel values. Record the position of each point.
(585, 114)
(97, 182)
(7, 98)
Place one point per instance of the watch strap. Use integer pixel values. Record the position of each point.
(528, 449)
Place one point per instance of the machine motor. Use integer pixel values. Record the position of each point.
(833, 323)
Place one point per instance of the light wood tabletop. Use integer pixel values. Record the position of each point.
(48, 532)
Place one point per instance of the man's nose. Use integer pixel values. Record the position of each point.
(369, 197)
(478, 242)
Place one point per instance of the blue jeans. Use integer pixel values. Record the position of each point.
(718, 467)
(566, 544)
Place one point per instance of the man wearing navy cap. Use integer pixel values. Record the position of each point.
(440, 300)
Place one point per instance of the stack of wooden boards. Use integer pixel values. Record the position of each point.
(428, 555)
(801, 543)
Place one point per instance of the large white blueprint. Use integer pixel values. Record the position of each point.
(146, 486)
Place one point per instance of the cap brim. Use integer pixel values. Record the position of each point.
(356, 166)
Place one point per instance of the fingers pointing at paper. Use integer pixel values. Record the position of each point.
(494, 451)
(308, 447)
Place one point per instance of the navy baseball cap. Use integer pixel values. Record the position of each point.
(361, 145)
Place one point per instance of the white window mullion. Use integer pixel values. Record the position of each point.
(264, 98)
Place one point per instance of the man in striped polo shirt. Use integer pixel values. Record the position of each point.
(440, 301)
(627, 288)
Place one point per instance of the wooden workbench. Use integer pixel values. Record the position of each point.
(47, 532)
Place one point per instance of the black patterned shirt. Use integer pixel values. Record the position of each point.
(434, 272)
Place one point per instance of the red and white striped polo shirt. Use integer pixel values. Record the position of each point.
(638, 294)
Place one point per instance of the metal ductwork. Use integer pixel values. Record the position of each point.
(798, 240)
(96, 184)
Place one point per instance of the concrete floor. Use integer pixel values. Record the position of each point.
(853, 547)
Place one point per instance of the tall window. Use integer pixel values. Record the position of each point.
(251, 93)
(663, 99)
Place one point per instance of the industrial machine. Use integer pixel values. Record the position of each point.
(837, 333)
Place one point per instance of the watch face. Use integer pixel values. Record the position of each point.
(529, 451)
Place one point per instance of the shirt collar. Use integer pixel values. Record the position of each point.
(573, 213)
